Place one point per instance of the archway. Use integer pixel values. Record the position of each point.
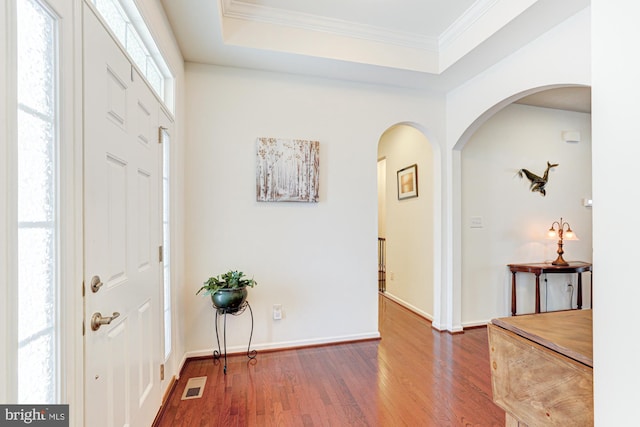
(500, 220)
(410, 224)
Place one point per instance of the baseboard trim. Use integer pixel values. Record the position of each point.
(163, 406)
(283, 345)
(408, 306)
(476, 324)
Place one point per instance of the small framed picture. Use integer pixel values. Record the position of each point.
(408, 182)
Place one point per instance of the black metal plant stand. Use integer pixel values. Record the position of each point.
(251, 354)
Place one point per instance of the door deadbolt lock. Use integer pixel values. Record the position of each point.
(97, 320)
(96, 283)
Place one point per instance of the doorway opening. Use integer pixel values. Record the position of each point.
(406, 219)
(502, 220)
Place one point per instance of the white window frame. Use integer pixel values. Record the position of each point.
(167, 300)
(8, 202)
(69, 327)
(52, 225)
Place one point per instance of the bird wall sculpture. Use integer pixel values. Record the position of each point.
(538, 183)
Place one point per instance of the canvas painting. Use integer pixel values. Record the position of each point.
(287, 170)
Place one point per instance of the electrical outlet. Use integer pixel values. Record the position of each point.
(277, 311)
(569, 287)
(392, 275)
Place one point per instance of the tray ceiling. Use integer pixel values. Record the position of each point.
(433, 44)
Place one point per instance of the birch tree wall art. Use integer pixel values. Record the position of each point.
(287, 170)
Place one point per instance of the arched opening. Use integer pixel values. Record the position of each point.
(407, 217)
(502, 221)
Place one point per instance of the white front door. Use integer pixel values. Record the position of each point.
(122, 228)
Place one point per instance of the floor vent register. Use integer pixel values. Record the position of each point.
(194, 388)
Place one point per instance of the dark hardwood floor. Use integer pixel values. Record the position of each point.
(413, 376)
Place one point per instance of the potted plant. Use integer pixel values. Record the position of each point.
(229, 290)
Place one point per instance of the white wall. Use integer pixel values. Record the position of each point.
(229, 108)
(318, 260)
(615, 164)
(514, 219)
(409, 222)
(559, 57)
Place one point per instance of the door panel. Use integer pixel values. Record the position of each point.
(118, 408)
(146, 362)
(116, 222)
(144, 219)
(123, 231)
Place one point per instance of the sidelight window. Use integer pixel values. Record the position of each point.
(38, 195)
(166, 239)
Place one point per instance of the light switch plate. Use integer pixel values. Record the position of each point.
(476, 222)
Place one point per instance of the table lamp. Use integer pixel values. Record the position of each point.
(562, 230)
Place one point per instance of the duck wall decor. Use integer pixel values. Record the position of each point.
(538, 183)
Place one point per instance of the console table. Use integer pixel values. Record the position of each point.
(546, 267)
(251, 354)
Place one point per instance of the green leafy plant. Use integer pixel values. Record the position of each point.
(232, 279)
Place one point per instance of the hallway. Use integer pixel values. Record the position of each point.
(413, 376)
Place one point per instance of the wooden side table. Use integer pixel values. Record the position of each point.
(546, 267)
(542, 368)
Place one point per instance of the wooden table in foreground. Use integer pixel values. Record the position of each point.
(542, 368)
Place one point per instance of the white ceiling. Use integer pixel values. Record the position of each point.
(428, 44)
(566, 98)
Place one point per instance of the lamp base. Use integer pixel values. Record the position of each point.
(559, 261)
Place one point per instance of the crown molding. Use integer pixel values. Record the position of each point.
(236, 9)
(465, 22)
(374, 44)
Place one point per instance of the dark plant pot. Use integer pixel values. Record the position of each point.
(229, 299)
